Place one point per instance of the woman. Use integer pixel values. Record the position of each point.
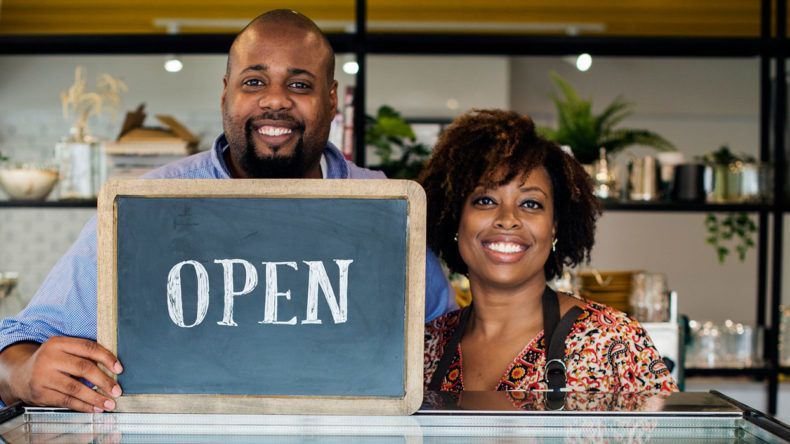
(510, 209)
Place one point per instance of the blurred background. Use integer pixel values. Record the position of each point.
(699, 74)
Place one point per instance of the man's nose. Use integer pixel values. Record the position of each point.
(275, 97)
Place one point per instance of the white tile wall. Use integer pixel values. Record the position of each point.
(31, 241)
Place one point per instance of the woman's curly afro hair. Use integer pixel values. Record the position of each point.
(489, 148)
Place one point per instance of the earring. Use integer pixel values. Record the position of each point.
(554, 245)
(455, 238)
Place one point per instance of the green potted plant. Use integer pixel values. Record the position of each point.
(401, 156)
(727, 174)
(586, 132)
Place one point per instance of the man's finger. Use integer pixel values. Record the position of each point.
(91, 350)
(88, 370)
(65, 391)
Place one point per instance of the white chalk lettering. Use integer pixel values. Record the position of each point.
(270, 303)
(250, 282)
(318, 278)
(174, 302)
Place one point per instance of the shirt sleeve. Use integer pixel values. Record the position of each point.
(437, 288)
(638, 364)
(65, 304)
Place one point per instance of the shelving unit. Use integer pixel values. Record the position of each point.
(772, 50)
(658, 206)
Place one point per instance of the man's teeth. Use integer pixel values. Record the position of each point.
(505, 247)
(274, 131)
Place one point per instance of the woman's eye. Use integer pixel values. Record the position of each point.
(484, 201)
(532, 204)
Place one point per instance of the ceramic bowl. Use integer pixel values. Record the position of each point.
(30, 183)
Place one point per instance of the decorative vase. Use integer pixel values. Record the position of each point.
(79, 158)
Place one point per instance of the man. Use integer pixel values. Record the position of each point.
(278, 100)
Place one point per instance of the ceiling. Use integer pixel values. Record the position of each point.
(709, 18)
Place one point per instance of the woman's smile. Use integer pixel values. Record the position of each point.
(504, 249)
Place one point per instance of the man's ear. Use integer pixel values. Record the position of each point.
(333, 97)
(224, 90)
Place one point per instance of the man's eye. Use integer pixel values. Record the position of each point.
(484, 201)
(532, 204)
(253, 82)
(300, 85)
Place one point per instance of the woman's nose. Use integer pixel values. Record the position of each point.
(506, 218)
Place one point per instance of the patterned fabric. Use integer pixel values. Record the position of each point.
(605, 351)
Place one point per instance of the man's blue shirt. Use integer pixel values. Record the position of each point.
(65, 304)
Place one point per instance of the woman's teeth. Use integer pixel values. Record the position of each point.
(505, 247)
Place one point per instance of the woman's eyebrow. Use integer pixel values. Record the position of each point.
(535, 188)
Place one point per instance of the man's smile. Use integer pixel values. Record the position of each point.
(274, 130)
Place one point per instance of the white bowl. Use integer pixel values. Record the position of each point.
(28, 183)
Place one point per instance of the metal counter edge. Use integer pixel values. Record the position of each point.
(758, 418)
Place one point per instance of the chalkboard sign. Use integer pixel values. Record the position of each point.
(264, 296)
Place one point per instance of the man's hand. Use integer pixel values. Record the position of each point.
(49, 374)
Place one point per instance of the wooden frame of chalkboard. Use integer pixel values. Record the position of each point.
(406, 402)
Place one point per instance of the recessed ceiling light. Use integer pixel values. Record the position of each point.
(583, 62)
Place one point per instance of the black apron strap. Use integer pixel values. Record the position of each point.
(555, 331)
(449, 350)
(551, 314)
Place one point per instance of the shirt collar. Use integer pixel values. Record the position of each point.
(333, 164)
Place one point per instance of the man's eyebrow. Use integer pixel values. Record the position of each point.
(255, 68)
(291, 71)
(300, 71)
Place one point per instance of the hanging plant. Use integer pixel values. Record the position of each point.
(733, 230)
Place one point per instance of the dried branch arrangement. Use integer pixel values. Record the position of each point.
(83, 104)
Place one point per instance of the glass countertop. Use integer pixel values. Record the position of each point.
(478, 417)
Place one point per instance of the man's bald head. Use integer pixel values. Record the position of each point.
(291, 19)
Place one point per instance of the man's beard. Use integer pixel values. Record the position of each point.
(274, 166)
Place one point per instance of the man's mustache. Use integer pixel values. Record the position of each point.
(281, 116)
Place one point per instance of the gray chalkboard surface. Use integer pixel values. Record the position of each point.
(264, 296)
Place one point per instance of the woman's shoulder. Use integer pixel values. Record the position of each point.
(445, 322)
(610, 330)
(606, 318)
